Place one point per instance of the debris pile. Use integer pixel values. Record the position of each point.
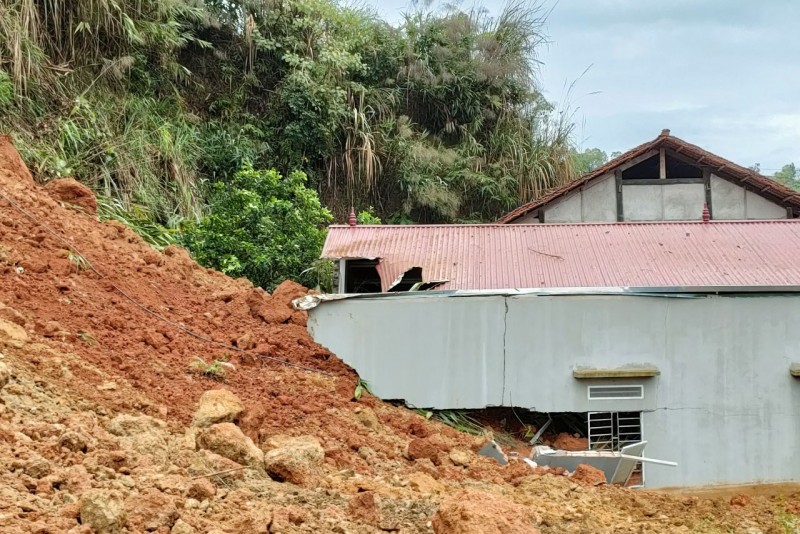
(108, 424)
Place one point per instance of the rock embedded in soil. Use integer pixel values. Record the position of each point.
(226, 439)
(151, 510)
(182, 527)
(201, 489)
(461, 457)
(74, 441)
(217, 406)
(430, 447)
(589, 475)
(297, 460)
(102, 510)
(37, 467)
(12, 334)
(70, 191)
(131, 425)
(224, 471)
(5, 375)
(366, 416)
(424, 483)
(477, 512)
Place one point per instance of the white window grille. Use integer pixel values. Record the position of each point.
(613, 431)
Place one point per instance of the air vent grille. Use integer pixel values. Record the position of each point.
(616, 392)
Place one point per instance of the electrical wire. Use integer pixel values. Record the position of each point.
(74, 250)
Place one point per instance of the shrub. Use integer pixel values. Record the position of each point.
(262, 226)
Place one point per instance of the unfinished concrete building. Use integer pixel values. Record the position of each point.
(666, 179)
(683, 334)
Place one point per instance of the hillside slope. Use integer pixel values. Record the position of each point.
(100, 428)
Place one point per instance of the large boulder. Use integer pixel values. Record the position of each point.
(70, 191)
(226, 439)
(297, 460)
(102, 510)
(217, 406)
(476, 512)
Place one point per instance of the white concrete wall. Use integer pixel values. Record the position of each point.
(663, 202)
(596, 202)
(724, 407)
(600, 200)
(565, 210)
(731, 202)
(758, 207)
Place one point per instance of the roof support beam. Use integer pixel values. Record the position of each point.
(638, 159)
(662, 164)
(618, 183)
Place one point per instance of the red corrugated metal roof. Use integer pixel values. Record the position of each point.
(655, 254)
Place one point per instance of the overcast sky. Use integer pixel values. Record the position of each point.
(723, 74)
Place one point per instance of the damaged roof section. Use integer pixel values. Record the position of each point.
(754, 254)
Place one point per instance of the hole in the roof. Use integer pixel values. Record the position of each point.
(361, 276)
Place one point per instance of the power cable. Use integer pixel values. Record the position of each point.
(74, 250)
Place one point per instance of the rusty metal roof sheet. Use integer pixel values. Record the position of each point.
(653, 254)
(761, 185)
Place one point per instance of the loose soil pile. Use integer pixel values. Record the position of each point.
(105, 426)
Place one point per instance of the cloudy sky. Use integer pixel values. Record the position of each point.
(723, 74)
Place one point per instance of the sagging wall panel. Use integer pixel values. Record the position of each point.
(724, 407)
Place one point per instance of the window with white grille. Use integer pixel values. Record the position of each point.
(613, 431)
(619, 392)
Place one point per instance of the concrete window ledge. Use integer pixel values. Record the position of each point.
(794, 370)
(625, 372)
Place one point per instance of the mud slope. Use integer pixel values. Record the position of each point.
(102, 427)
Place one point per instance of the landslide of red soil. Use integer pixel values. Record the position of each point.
(78, 345)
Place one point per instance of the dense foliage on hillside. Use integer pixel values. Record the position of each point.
(151, 101)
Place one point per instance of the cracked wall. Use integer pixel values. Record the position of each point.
(725, 406)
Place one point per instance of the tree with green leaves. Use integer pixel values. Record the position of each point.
(261, 225)
(589, 160)
(789, 175)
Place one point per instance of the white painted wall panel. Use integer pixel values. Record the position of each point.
(684, 202)
(758, 207)
(567, 210)
(727, 200)
(600, 200)
(643, 202)
(424, 350)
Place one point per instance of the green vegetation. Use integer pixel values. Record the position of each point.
(215, 370)
(158, 105)
(362, 386)
(789, 175)
(262, 226)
